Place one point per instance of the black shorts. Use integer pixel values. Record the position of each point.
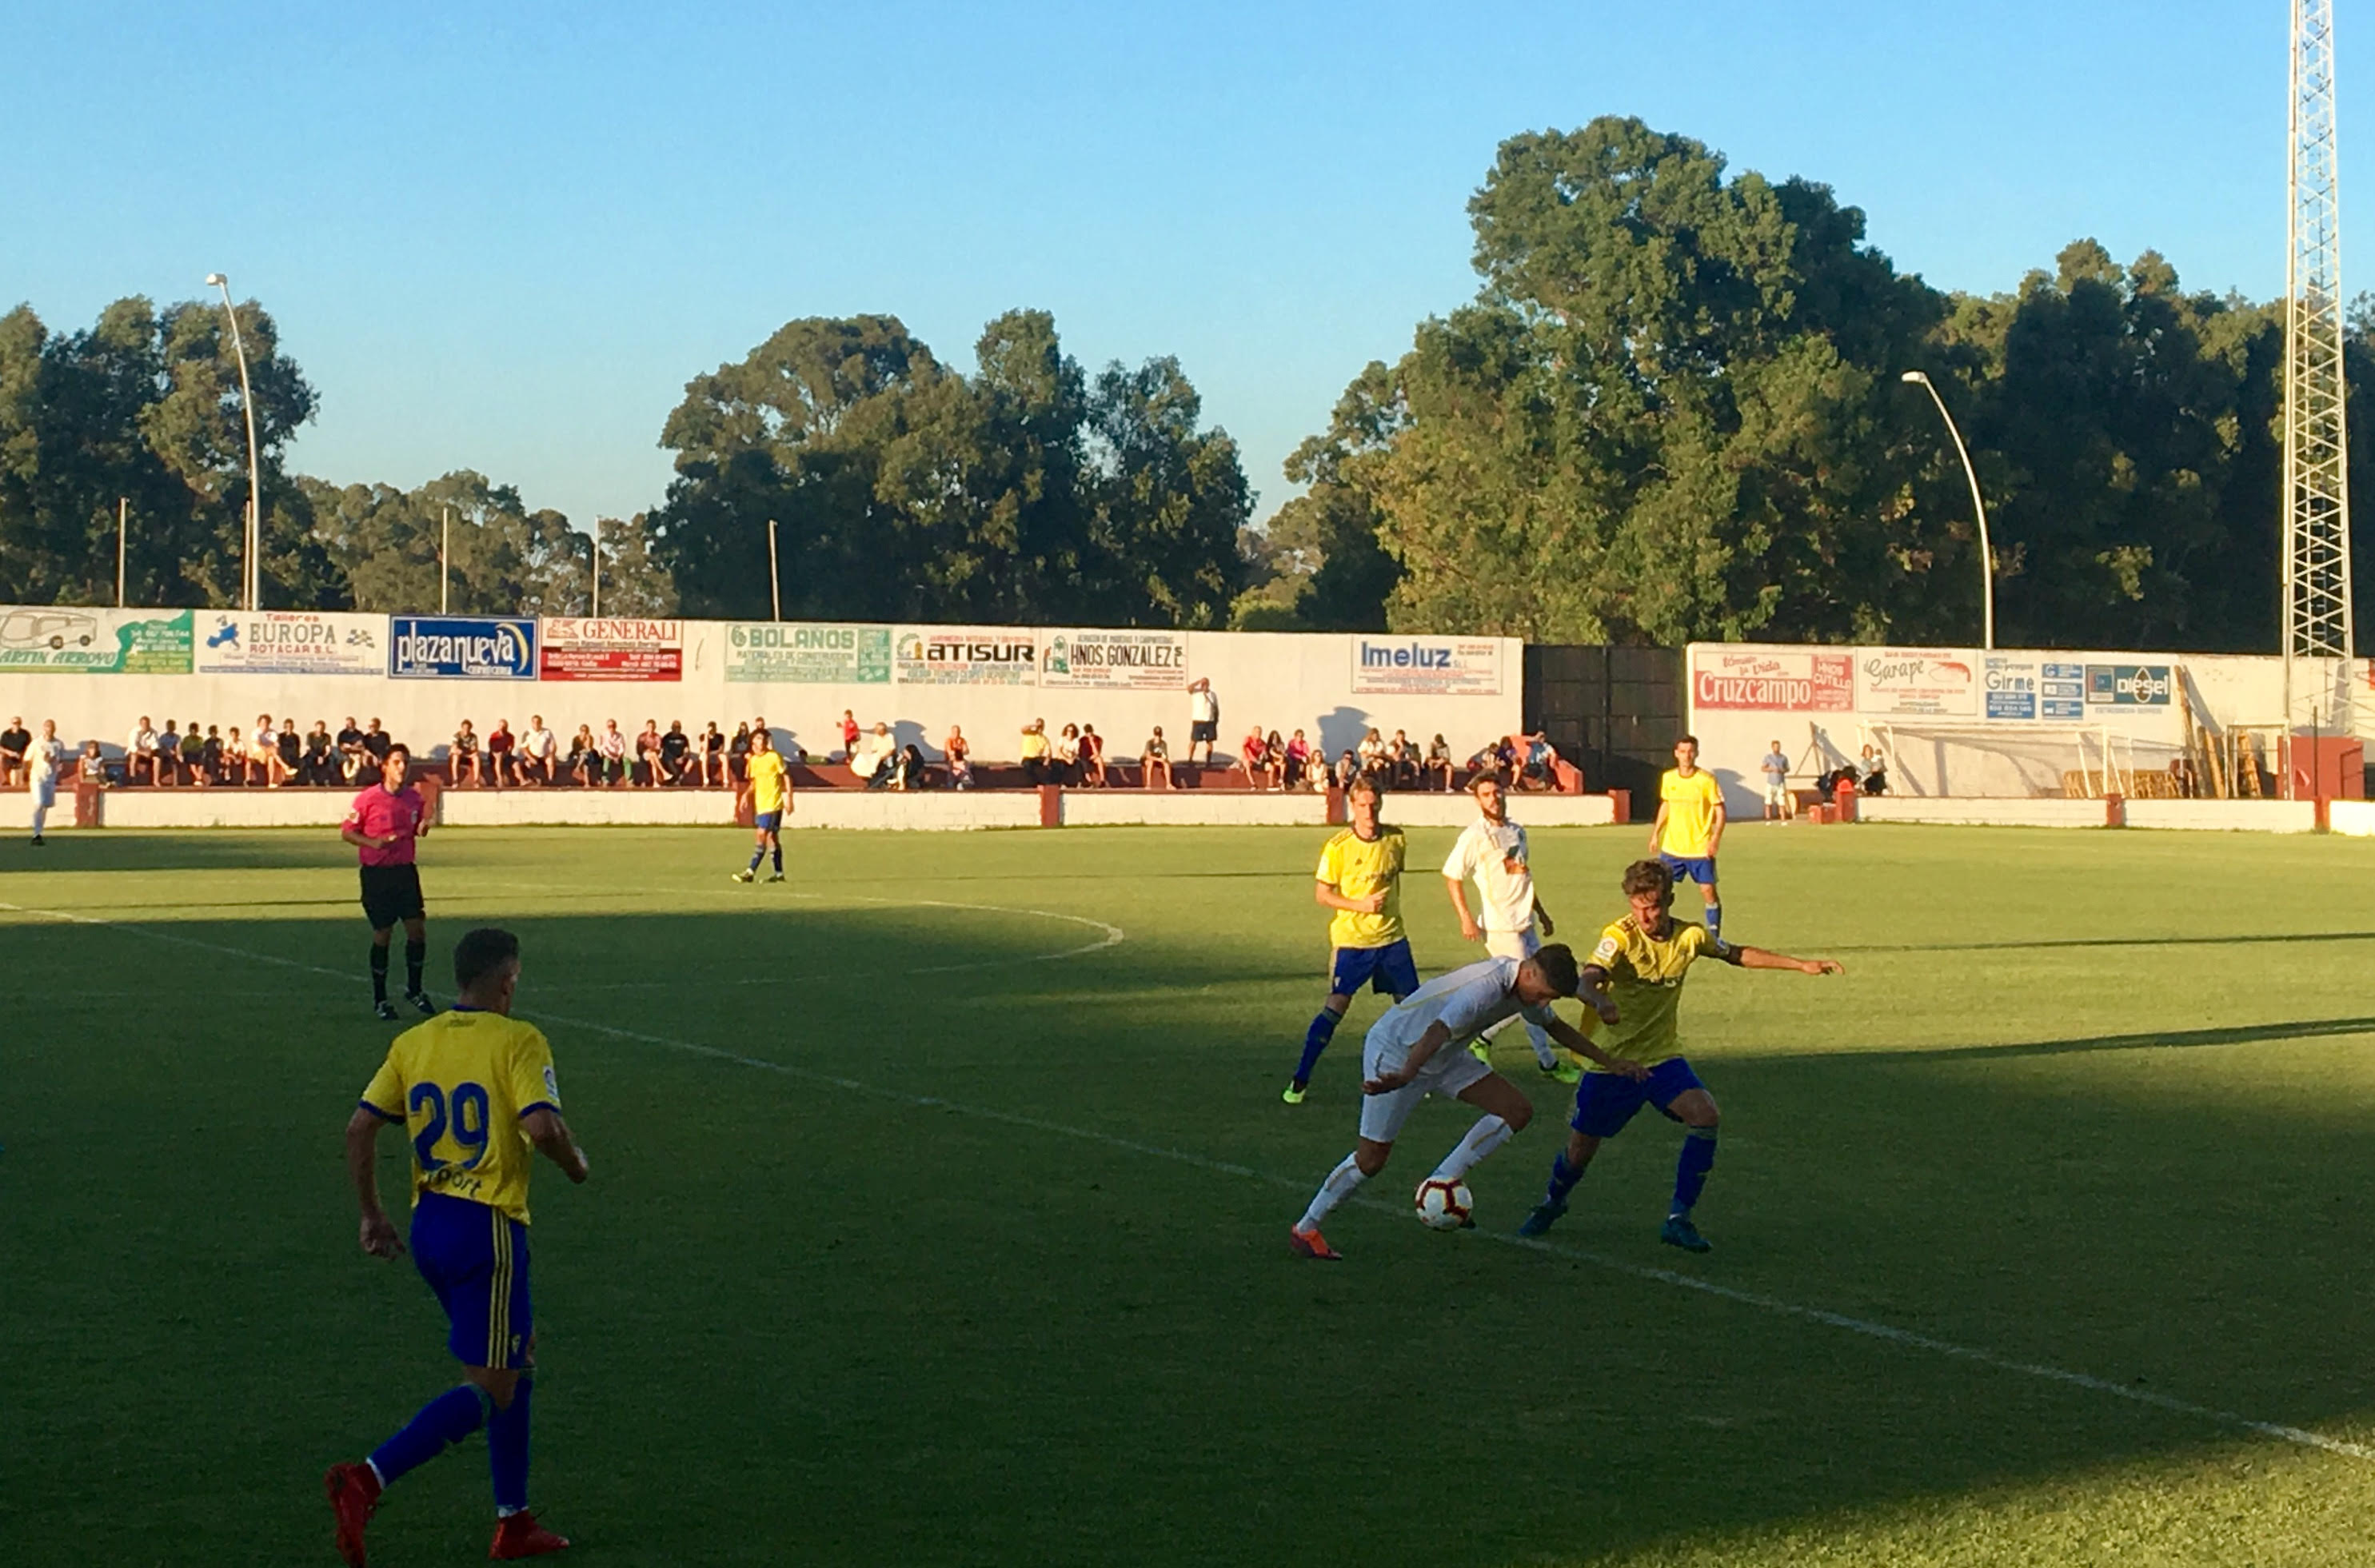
(391, 893)
(1204, 731)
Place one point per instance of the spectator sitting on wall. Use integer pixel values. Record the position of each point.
(194, 754)
(1068, 755)
(612, 750)
(292, 749)
(1402, 753)
(648, 755)
(537, 749)
(908, 771)
(584, 756)
(90, 768)
(377, 743)
(1274, 759)
(319, 766)
(15, 741)
(1036, 765)
(849, 737)
(876, 754)
(709, 755)
(1437, 768)
(676, 748)
(1092, 757)
(1154, 760)
(500, 761)
(1348, 770)
(1876, 772)
(351, 745)
(1298, 759)
(1203, 719)
(1372, 753)
(462, 761)
(141, 752)
(1253, 755)
(738, 755)
(167, 758)
(1538, 763)
(959, 752)
(226, 760)
(264, 753)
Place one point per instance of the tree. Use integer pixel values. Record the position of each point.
(505, 559)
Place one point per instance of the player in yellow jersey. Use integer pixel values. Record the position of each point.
(770, 802)
(1638, 966)
(1690, 826)
(475, 1090)
(1360, 878)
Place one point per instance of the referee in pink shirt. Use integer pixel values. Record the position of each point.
(383, 824)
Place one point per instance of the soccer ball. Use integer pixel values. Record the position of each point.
(1443, 1206)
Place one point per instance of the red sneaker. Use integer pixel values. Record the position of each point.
(353, 1491)
(1311, 1244)
(518, 1535)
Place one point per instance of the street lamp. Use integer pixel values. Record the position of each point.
(254, 574)
(1987, 555)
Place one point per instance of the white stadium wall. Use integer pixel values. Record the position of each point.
(98, 671)
(1962, 722)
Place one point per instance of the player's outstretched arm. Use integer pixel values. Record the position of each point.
(553, 1141)
(1580, 1043)
(1762, 958)
(377, 1233)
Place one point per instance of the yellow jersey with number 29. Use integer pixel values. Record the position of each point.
(460, 1084)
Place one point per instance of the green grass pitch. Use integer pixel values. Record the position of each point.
(939, 1202)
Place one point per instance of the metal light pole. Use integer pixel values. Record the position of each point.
(254, 574)
(774, 578)
(445, 555)
(1979, 506)
(122, 519)
(596, 610)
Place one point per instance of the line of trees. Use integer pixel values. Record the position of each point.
(1672, 410)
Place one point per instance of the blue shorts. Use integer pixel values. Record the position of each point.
(1605, 1101)
(475, 1258)
(1389, 970)
(768, 821)
(1699, 868)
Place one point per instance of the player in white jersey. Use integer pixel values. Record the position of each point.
(1509, 919)
(1412, 1052)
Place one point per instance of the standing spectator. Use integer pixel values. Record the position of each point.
(462, 762)
(875, 752)
(1154, 760)
(141, 752)
(1253, 753)
(1778, 803)
(500, 746)
(584, 757)
(538, 751)
(614, 754)
(1298, 759)
(737, 754)
(15, 742)
(675, 749)
(1036, 766)
(292, 749)
(1092, 757)
(194, 755)
(712, 750)
(43, 758)
(321, 764)
(1437, 765)
(959, 752)
(169, 754)
(849, 737)
(1203, 718)
(1068, 755)
(647, 754)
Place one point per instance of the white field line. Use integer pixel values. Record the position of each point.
(1887, 1333)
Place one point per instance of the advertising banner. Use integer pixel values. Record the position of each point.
(2129, 686)
(1433, 666)
(1772, 682)
(817, 655)
(2063, 692)
(2012, 688)
(609, 648)
(1114, 660)
(461, 647)
(965, 655)
(291, 643)
(1915, 680)
(73, 641)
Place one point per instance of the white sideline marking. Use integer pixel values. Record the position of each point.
(1887, 1333)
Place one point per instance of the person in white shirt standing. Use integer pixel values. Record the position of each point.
(1509, 920)
(1203, 718)
(1777, 784)
(48, 756)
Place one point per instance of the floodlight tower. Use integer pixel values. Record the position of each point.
(2317, 630)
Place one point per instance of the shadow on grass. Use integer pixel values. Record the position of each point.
(2162, 1040)
(2285, 938)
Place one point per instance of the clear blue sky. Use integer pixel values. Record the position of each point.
(504, 240)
